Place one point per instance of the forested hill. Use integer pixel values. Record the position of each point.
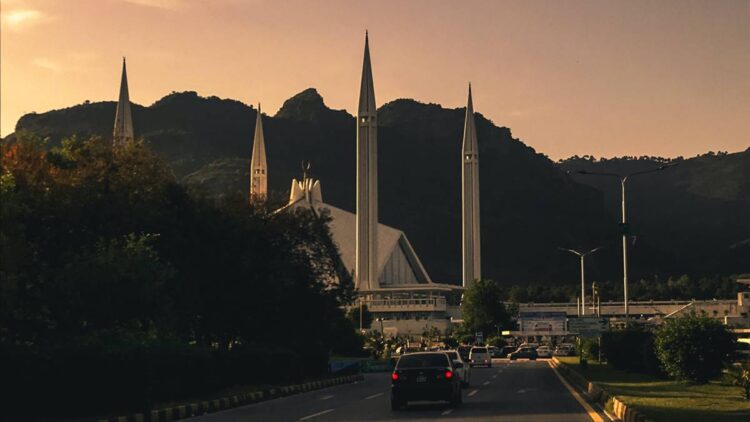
(695, 213)
(530, 206)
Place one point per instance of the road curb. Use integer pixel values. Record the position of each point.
(596, 393)
(198, 408)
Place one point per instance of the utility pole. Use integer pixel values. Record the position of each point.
(624, 225)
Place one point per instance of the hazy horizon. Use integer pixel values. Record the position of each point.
(605, 79)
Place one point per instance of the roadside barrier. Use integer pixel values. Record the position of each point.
(599, 395)
(209, 406)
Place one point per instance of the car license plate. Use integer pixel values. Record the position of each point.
(421, 378)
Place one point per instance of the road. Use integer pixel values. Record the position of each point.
(509, 391)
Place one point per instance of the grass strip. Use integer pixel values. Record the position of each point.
(666, 400)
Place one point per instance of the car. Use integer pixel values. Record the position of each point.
(464, 352)
(494, 351)
(479, 355)
(462, 367)
(507, 349)
(565, 350)
(544, 352)
(523, 352)
(425, 376)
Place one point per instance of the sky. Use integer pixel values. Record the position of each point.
(603, 78)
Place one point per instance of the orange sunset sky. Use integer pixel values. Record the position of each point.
(568, 77)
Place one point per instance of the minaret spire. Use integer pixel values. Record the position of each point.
(258, 166)
(472, 268)
(123, 130)
(366, 267)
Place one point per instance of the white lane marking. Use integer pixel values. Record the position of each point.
(494, 376)
(471, 393)
(486, 383)
(373, 396)
(521, 391)
(326, 397)
(447, 412)
(315, 415)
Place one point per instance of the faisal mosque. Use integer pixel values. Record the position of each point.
(388, 274)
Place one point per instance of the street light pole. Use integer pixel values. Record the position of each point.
(623, 180)
(582, 255)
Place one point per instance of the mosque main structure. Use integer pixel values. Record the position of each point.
(388, 274)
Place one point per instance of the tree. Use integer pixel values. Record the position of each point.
(483, 308)
(694, 347)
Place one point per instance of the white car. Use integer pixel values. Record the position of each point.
(479, 355)
(544, 352)
(463, 368)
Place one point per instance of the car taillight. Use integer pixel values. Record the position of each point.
(394, 376)
(448, 375)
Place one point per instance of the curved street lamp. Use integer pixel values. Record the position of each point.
(582, 255)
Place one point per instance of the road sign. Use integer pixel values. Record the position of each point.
(587, 326)
(542, 323)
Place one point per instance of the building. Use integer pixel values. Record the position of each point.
(471, 247)
(258, 167)
(123, 130)
(388, 274)
(405, 300)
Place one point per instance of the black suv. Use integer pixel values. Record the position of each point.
(428, 376)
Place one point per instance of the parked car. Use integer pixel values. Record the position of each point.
(479, 355)
(565, 350)
(543, 352)
(429, 376)
(494, 351)
(523, 352)
(462, 367)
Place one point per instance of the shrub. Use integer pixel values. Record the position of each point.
(631, 350)
(694, 347)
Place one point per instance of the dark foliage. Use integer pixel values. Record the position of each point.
(631, 350)
(117, 286)
(694, 347)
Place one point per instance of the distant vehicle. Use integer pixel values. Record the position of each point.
(507, 349)
(565, 350)
(523, 352)
(402, 350)
(429, 376)
(524, 344)
(544, 352)
(494, 351)
(480, 356)
(462, 367)
(464, 352)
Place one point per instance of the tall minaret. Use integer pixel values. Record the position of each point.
(470, 198)
(366, 267)
(123, 119)
(258, 167)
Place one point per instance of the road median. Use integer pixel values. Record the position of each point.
(197, 408)
(594, 392)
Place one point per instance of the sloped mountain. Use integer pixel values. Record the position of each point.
(693, 217)
(529, 205)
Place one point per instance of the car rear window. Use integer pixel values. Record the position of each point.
(423, 361)
(479, 350)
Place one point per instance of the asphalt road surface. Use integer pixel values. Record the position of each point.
(509, 391)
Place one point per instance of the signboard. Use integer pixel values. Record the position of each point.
(479, 337)
(587, 326)
(542, 323)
